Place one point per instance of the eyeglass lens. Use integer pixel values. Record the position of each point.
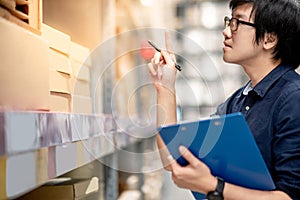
(232, 23)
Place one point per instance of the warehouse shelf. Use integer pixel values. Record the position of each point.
(38, 146)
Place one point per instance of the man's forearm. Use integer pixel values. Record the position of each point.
(166, 107)
(166, 114)
(233, 192)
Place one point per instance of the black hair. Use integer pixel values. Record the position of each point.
(281, 17)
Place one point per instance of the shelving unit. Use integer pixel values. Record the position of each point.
(35, 146)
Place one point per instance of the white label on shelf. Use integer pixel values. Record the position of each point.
(20, 174)
(21, 132)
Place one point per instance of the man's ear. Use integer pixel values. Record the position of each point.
(270, 40)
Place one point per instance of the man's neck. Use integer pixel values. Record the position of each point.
(257, 71)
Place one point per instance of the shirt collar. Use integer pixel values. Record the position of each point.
(247, 88)
(263, 86)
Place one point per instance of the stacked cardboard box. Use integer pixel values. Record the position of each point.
(24, 69)
(60, 68)
(80, 79)
(26, 13)
(47, 72)
(60, 71)
(69, 73)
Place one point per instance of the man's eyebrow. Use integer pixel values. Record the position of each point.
(242, 16)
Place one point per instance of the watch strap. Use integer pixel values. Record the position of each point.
(220, 185)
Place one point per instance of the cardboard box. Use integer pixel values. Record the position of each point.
(80, 71)
(57, 39)
(81, 104)
(35, 14)
(59, 82)
(24, 13)
(24, 68)
(41, 165)
(59, 62)
(66, 190)
(80, 150)
(79, 87)
(60, 102)
(2, 177)
(80, 54)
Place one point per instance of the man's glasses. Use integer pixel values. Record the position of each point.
(233, 23)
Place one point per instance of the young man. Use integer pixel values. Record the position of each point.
(263, 37)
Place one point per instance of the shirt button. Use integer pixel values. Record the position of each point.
(247, 108)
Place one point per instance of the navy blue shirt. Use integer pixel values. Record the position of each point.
(272, 111)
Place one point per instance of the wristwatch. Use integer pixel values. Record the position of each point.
(217, 194)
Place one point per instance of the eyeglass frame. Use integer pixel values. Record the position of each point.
(228, 22)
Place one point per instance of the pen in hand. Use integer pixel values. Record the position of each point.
(178, 67)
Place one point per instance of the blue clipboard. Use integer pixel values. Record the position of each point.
(226, 145)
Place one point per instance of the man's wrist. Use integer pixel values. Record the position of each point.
(163, 89)
(217, 194)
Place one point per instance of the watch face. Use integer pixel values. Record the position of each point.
(214, 195)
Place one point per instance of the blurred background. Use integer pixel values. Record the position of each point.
(108, 75)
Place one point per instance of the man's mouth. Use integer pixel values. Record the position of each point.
(227, 45)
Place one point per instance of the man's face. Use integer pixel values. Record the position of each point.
(239, 45)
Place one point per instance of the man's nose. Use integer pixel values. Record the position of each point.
(227, 32)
